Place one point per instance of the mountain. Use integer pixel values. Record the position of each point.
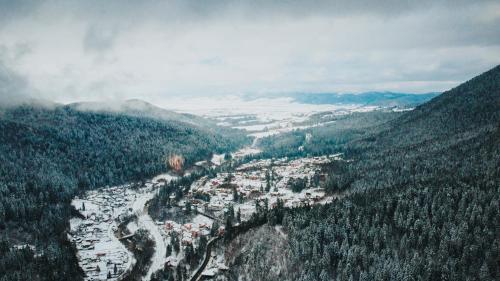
(384, 99)
(471, 106)
(421, 200)
(455, 135)
(142, 109)
(139, 108)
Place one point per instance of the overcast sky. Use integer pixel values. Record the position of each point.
(89, 50)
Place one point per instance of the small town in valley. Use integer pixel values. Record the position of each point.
(101, 242)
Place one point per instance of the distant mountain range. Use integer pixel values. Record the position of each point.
(385, 99)
(373, 98)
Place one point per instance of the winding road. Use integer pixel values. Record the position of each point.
(208, 255)
(146, 222)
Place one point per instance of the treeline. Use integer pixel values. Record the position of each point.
(327, 139)
(50, 154)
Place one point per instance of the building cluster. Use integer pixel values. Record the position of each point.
(260, 180)
(100, 253)
(190, 232)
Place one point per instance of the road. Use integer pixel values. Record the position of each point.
(145, 221)
(208, 255)
(131, 261)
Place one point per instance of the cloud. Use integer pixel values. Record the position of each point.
(155, 50)
(13, 87)
(192, 10)
(99, 38)
(11, 11)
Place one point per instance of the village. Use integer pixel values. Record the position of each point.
(262, 180)
(102, 256)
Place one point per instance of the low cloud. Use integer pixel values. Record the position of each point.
(13, 87)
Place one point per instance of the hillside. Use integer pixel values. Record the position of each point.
(50, 154)
(424, 202)
(142, 109)
(139, 108)
(470, 107)
(455, 134)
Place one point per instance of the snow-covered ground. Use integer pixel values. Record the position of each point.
(99, 250)
(234, 107)
(262, 117)
(158, 259)
(258, 114)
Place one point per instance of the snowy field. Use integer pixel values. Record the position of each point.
(273, 115)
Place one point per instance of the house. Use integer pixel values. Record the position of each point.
(187, 241)
(169, 225)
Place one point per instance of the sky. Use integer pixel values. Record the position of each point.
(68, 51)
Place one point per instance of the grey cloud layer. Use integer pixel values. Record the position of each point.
(77, 50)
(189, 9)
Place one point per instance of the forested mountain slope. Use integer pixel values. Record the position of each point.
(424, 202)
(470, 107)
(140, 108)
(327, 139)
(453, 135)
(48, 154)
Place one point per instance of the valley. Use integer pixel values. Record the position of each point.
(188, 140)
(235, 194)
(113, 214)
(246, 194)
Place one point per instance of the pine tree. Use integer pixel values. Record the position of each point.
(484, 272)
